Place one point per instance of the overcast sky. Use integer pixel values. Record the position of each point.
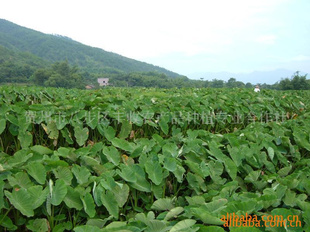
(182, 36)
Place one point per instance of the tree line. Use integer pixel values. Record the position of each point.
(153, 79)
(62, 74)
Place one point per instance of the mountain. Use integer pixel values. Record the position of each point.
(268, 77)
(44, 48)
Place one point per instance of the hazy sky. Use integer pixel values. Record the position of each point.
(182, 36)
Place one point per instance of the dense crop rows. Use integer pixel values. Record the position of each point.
(152, 160)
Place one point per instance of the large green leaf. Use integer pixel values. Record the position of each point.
(163, 123)
(290, 198)
(41, 150)
(21, 200)
(170, 150)
(173, 213)
(58, 192)
(109, 133)
(92, 119)
(125, 130)
(179, 173)
(61, 122)
(270, 153)
(38, 195)
(283, 217)
(236, 155)
(170, 164)
(63, 173)
(196, 183)
(121, 193)
(25, 138)
(20, 179)
(210, 229)
(81, 135)
(73, 199)
(195, 200)
(284, 171)
(51, 129)
(81, 173)
(205, 216)
(37, 171)
(109, 201)
(127, 173)
(98, 222)
(216, 205)
(67, 153)
(156, 226)
(38, 225)
(216, 170)
(145, 218)
(230, 166)
(89, 205)
(163, 204)
(246, 206)
(1, 194)
(136, 119)
(7, 223)
(19, 157)
(87, 228)
(67, 135)
(245, 229)
(112, 154)
(2, 125)
(301, 138)
(184, 225)
(135, 175)
(123, 144)
(154, 171)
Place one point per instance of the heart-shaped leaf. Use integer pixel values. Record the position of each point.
(81, 135)
(21, 200)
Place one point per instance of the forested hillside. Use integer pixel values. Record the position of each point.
(53, 48)
(31, 57)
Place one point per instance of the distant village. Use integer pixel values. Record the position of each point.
(101, 82)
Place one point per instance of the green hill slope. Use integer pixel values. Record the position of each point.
(52, 48)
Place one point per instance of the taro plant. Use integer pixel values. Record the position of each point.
(151, 160)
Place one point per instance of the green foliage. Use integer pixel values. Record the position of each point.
(148, 163)
(21, 200)
(40, 76)
(17, 67)
(297, 82)
(60, 75)
(55, 48)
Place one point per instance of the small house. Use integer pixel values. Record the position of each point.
(103, 81)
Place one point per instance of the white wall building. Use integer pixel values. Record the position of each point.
(103, 81)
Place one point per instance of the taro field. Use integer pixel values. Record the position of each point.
(154, 160)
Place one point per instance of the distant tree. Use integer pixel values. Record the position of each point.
(61, 74)
(297, 82)
(206, 84)
(14, 72)
(56, 80)
(41, 76)
(248, 85)
(239, 84)
(215, 83)
(63, 68)
(231, 83)
(300, 82)
(285, 84)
